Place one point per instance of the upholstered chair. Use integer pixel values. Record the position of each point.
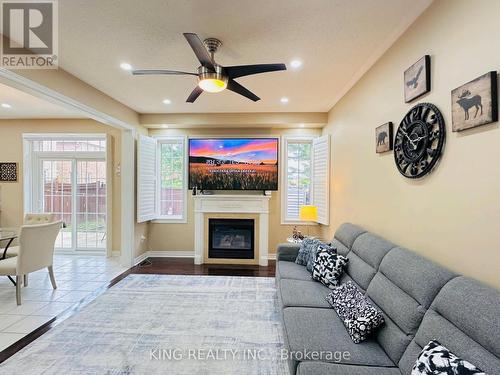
(31, 219)
(36, 251)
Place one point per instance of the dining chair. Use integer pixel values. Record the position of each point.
(43, 218)
(36, 251)
(31, 219)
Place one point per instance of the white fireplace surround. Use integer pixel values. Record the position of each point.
(234, 204)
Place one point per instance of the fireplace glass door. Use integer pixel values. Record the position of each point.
(231, 238)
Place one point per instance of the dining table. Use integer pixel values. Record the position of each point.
(7, 236)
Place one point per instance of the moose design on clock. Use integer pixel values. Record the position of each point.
(419, 140)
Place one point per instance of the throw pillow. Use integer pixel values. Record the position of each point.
(304, 250)
(435, 359)
(359, 316)
(320, 246)
(328, 267)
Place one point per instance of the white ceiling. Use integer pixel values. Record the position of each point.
(24, 105)
(337, 40)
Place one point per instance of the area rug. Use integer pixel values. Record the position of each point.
(157, 324)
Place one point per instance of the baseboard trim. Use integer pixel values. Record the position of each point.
(115, 254)
(163, 254)
(271, 257)
(141, 258)
(170, 254)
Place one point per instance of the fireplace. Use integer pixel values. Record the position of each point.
(231, 238)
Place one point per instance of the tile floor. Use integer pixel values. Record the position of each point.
(77, 277)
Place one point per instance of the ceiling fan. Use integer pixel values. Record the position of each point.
(213, 77)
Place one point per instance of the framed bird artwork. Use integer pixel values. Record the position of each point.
(417, 79)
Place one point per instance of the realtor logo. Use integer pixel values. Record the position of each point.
(29, 34)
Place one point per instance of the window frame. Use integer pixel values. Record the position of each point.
(167, 219)
(284, 180)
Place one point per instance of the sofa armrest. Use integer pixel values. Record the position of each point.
(287, 251)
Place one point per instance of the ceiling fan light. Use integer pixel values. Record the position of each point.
(212, 84)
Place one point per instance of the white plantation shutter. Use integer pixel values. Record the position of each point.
(146, 178)
(320, 177)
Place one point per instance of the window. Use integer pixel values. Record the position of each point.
(172, 189)
(297, 177)
(161, 179)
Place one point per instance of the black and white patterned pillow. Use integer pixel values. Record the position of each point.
(435, 359)
(307, 246)
(328, 267)
(321, 246)
(359, 316)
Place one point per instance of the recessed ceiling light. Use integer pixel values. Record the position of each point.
(126, 66)
(5, 105)
(284, 100)
(167, 101)
(164, 126)
(295, 64)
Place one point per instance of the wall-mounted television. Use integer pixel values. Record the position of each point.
(233, 163)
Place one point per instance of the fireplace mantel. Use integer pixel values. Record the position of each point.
(231, 204)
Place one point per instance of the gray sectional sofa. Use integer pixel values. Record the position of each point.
(420, 300)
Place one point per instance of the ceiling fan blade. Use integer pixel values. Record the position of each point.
(200, 51)
(194, 94)
(141, 72)
(237, 88)
(246, 70)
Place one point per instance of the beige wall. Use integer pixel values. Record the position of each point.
(11, 149)
(451, 216)
(180, 237)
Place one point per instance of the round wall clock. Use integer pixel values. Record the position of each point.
(419, 140)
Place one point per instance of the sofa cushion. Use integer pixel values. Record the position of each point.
(303, 293)
(322, 330)
(347, 233)
(359, 316)
(328, 268)
(365, 257)
(340, 247)
(403, 289)
(435, 358)
(290, 270)
(322, 368)
(464, 318)
(287, 251)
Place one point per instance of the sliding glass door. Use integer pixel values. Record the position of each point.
(90, 208)
(69, 180)
(57, 196)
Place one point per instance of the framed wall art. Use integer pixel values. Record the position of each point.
(383, 138)
(417, 79)
(475, 103)
(8, 172)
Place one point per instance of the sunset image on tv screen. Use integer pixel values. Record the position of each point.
(233, 164)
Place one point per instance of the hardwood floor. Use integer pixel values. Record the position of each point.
(184, 266)
(158, 266)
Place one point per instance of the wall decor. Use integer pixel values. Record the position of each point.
(417, 79)
(383, 138)
(8, 172)
(419, 140)
(475, 103)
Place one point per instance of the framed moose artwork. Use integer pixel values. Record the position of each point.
(475, 103)
(383, 138)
